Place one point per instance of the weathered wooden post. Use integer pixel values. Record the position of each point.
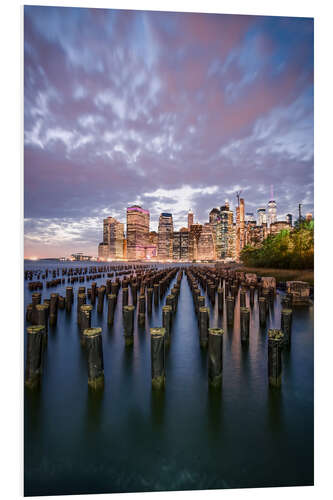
(203, 326)
(33, 367)
(220, 300)
(275, 341)
(69, 298)
(134, 291)
(201, 303)
(94, 349)
(244, 324)
(252, 289)
(170, 301)
(149, 300)
(61, 302)
(93, 292)
(142, 310)
(42, 315)
(100, 299)
(230, 310)
(81, 300)
(156, 294)
(157, 353)
(85, 316)
(53, 309)
(262, 311)
(112, 301)
(166, 322)
(128, 320)
(215, 356)
(286, 322)
(125, 297)
(242, 298)
(114, 288)
(35, 300)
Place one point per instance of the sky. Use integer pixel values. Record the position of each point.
(171, 111)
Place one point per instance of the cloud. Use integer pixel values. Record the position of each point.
(171, 110)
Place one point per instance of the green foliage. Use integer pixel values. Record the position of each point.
(286, 250)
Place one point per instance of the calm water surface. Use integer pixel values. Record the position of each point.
(129, 438)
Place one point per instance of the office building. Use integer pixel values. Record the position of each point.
(137, 220)
(165, 236)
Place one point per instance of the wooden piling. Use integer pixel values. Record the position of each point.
(215, 356)
(157, 353)
(33, 367)
(128, 321)
(94, 350)
(275, 342)
(244, 324)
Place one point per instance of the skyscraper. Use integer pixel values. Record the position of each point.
(226, 231)
(262, 219)
(206, 243)
(165, 234)
(194, 240)
(112, 246)
(113, 236)
(189, 219)
(215, 222)
(180, 245)
(271, 209)
(240, 228)
(137, 219)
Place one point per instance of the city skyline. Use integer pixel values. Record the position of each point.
(182, 111)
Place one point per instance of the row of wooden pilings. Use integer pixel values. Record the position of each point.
(227, 288)
(80, 275)
(151, 286)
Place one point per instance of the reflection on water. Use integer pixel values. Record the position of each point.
(128, 437)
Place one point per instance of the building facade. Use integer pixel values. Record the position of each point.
(165, 236)
(278, 226)
(180, 245)
(206, 243)
(190, 217)
(113, 236)
(137, 222)
(261, 216)
(227, 232)
(271, 212)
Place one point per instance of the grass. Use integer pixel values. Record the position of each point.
(281, 274)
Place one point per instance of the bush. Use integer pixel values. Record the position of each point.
(286, 250)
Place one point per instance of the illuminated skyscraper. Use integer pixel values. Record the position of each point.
(261, 212)
(240, 228)
(215, 222)
(226, 231)
(137, 232)
(271, 211)
(165, 234)
(194, 240)
(206, 243)
(189, 219)
(112, 246)
(113, 236)
(180, 245)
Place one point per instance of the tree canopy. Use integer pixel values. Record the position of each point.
(285, 250)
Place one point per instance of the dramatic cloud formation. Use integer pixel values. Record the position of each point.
(169, 110)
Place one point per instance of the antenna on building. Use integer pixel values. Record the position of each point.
(238, 193)
(272, 192)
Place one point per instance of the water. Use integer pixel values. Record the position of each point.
(129, 438)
